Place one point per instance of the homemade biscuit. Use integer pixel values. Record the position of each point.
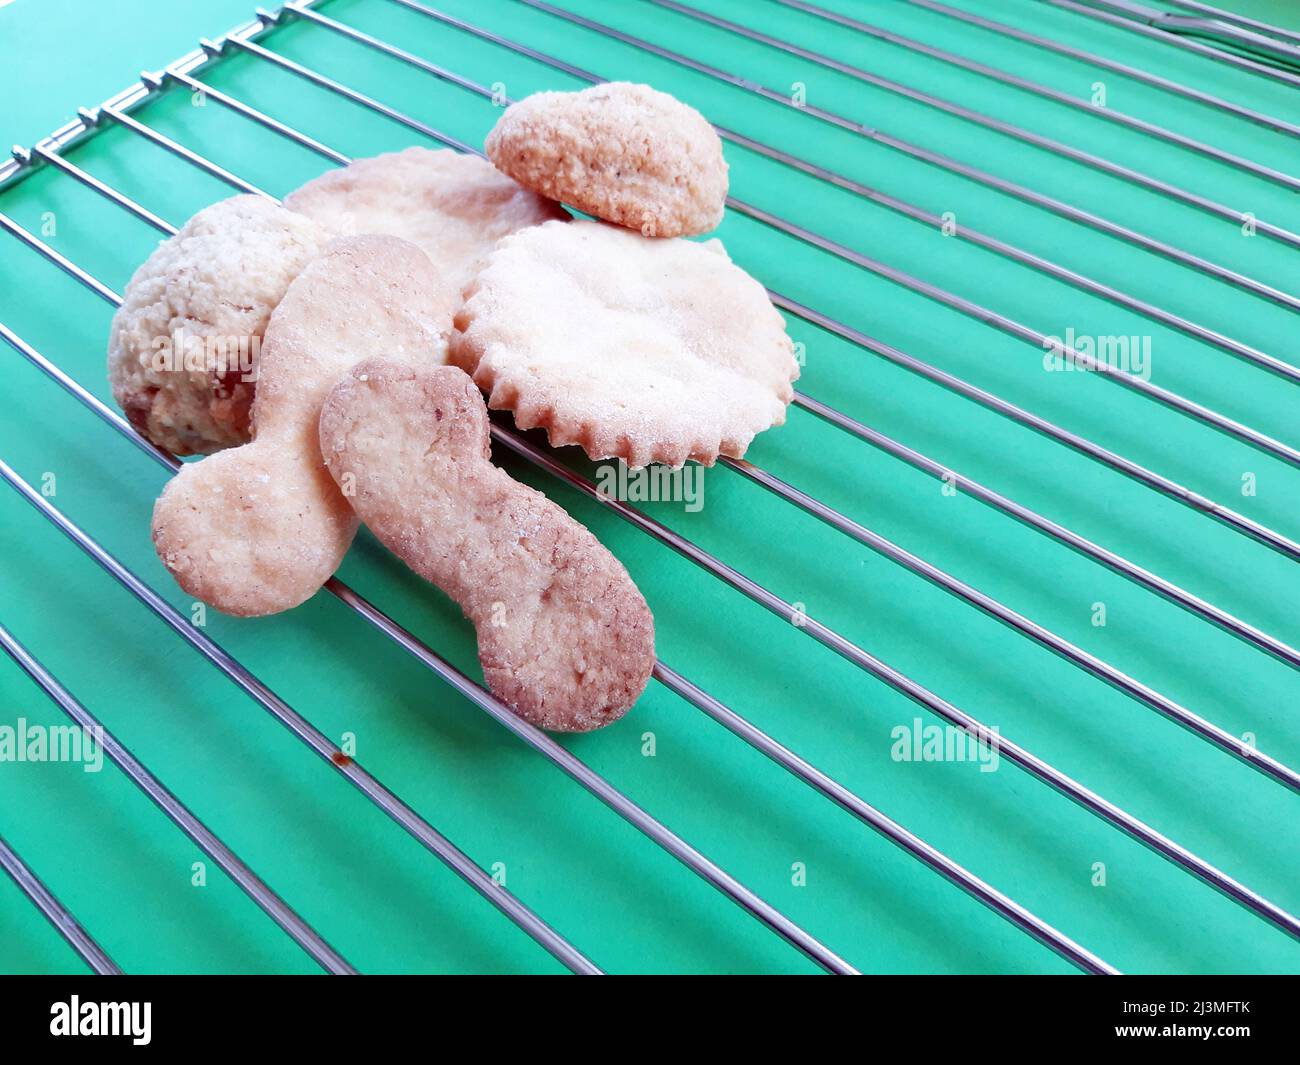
(183, 348)
(645, 350)
(453, 206)
(622, 152)
(258, 529)
(565, 638)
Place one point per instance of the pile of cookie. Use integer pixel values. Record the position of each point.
(329, 358)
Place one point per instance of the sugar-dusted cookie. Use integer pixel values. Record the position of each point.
(622, 152)
(565, 638)
(184, 346)
(258, 529)
(455, 207)
(645, 350)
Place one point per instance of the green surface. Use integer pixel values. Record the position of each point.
(389, 906)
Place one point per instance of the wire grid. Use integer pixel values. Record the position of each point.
(185, 73)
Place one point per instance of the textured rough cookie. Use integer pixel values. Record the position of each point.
(645, 350)
(258, 529)
(456, 207)
(622, 152)
(565, 638)
(183, 348)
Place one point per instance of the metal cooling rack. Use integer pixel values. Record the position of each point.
(1214, 28)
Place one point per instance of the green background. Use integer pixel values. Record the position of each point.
(372, 891)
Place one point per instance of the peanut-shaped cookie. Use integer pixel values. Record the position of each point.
(258, 529)
(565, 638)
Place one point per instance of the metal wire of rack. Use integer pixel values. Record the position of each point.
(186, 72)
(1159, 26)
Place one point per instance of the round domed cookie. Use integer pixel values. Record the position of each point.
(623, 152)
(183, 347)
(455, 207)
(645, 350)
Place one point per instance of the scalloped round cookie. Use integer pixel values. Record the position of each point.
(183, 347)
(644, 350)
(455, 207)
(623, 152)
